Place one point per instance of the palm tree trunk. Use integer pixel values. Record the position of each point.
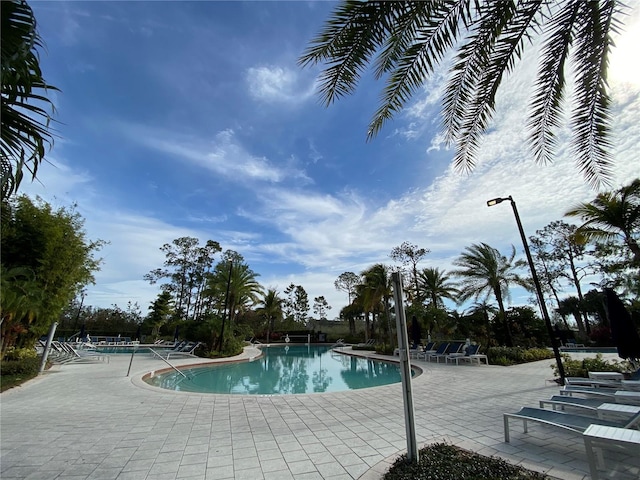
(634, 247)
(387, 312)
(503, 315)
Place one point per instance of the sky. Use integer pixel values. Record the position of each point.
(194, 119)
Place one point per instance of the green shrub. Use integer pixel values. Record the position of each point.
(447, 462)
(581, 368)
(384, 349)
(363, 347)
(25, 366)
(516, 355)
(232, 346)
(13, 353)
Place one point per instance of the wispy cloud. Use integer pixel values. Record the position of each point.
(277, 85)
(224, 155)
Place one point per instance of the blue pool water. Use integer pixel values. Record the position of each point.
(283, 370)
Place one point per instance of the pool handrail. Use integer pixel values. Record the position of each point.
(166, 361)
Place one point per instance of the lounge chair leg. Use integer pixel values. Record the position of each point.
(506, 429)
(526, 430)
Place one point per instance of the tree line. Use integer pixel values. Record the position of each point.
(604, 247)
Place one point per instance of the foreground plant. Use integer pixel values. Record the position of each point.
(447, 462)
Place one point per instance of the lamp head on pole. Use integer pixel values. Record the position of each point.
(496, 201)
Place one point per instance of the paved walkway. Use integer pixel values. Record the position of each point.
(90, 421)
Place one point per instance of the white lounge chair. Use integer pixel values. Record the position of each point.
(186, 350)
(599, 437)
(452, 348)
(565, 421)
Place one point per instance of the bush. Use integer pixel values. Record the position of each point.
(446, 462)
(384, 349)
(26, 366)
(363, 347)
(13, 353)
(515, 355)
(232, 346)
(581, 368)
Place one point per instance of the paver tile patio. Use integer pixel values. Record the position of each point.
(90, 421)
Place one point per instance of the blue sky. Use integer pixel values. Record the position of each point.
(193, 119)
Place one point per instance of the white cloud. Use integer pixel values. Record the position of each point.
(277, 85)
(224, 155)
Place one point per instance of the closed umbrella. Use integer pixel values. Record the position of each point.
(175, 334)
(138, 333)
(623, 331)
(82, 333)
(416, 331)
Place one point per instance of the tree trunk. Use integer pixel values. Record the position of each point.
(576, 282)
(503, 314)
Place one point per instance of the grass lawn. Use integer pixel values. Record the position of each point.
(10, 381)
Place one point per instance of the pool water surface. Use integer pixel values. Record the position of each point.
(283, 370)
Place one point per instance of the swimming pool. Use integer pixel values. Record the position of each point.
(283, 370)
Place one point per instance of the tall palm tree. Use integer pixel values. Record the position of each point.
(484, 271)
(377, 285)
(243, 286)
(435, 286)
(407, 40)
(24, 106)
(483, 309)
(271, 310)
(612, 214)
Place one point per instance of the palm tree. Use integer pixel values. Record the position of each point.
(25, 118)
(271, 309)
(435, 286)
(484, 272)
(244, 289)
(612, 214)
(407, 41)
(377, 287)
(573, 306)
(483, 309)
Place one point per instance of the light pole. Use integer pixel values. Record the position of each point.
(543, 305)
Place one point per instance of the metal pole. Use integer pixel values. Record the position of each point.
(47, 347)
(543, 305)
(131, 361)
(405, 368)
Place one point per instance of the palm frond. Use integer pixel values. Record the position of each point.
(499, 42)
(546, 103)
(470, 64)
(434, 28)
(349, 40)
(24, 106)
(590, 120)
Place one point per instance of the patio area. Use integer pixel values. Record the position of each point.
(90, 421)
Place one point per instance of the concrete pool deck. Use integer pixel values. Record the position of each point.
(87, 421)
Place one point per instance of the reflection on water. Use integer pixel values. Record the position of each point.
(283, 370)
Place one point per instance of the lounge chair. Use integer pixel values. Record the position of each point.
(369, 343)
(590, 382)
(565, 421)
(426, 351)
(441, 350)
(588, 404)
(571, 390)
(598, 437)
(85, 355)
(454, 347)
(187, 350)
(417, 353)
(471, 355)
